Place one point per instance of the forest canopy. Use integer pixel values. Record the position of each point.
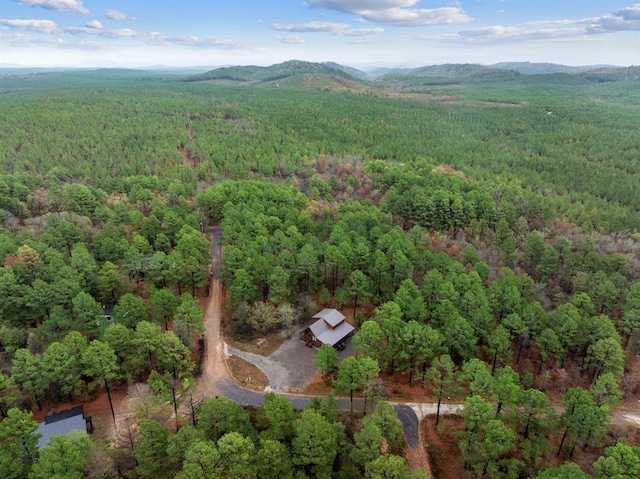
(479, 227)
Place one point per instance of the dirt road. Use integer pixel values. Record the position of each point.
(214, 368)
(215, 379)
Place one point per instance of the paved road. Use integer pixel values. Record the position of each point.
(410, 423)
(406, 414)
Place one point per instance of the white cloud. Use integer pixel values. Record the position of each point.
(43, 26)
(395, 12)
(118, 33)
(117, 15)
(94, 24)
(340, 29)
(58, 5)
(189, 40)
(543, 23)
(87, 45)
(630, 13)
(161, 38)
(356, 6)
(416, 16)
(81, 30)
(290, 39)
(499, 33)
(95, 28)
(91, 29)
(309, 27)
(626, 19)
(221, 43)
(360, 32)
(24, 40)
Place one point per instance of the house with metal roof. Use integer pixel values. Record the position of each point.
(328, 327)
(63, 422)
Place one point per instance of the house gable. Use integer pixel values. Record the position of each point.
(329, 327)
(332, 317)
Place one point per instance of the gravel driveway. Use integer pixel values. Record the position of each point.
(289, 368)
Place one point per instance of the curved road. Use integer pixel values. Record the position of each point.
(410, 423)
(215, 379)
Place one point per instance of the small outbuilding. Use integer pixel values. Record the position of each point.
(328, 327)
(63, 422)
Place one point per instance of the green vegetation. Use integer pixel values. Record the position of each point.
(479, 226)
(273, 72)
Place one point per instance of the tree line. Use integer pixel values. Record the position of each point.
(224, 440)
(195, 132)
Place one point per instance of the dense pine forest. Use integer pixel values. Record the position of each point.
(479, 226)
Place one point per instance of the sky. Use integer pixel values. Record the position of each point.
(359, 33)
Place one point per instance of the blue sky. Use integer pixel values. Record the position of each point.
(353, 32)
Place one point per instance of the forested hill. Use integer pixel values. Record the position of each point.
(252, 73)
(464, 74)
(271, 73)
(532, 68)
(451, 73)
(609, 74)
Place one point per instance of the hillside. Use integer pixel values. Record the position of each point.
(609, 74)
(271, 73)
(330, 76)
(532, 68)
(447, 74)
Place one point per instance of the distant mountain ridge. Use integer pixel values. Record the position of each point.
(451, 71)
(607, 74)
(529, 68)
(333, 76)
(279, 71)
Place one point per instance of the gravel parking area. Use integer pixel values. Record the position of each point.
(290, 367)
